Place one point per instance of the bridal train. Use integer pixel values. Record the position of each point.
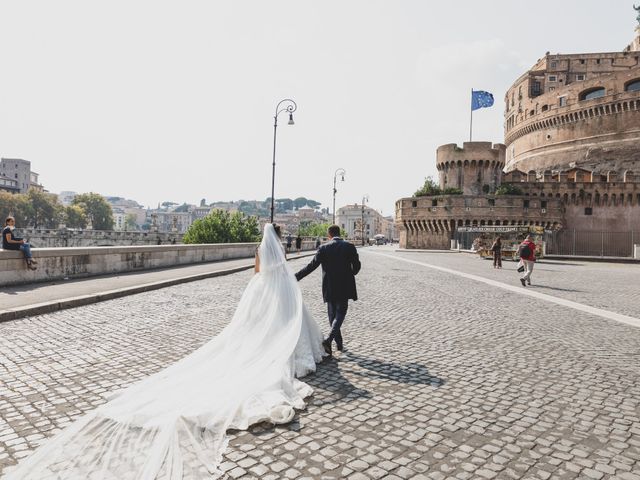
(172, 425)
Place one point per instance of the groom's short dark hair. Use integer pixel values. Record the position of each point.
(334, 231)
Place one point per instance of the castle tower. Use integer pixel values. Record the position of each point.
(476, 168)
(576, 110)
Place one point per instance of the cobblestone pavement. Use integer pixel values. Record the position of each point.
(444, 377)
(611, 286)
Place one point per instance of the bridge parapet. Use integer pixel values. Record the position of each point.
(64, 263)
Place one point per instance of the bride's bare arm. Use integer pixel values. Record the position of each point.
(257, 265)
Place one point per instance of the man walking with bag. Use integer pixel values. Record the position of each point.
(527, 252)
(340, 264)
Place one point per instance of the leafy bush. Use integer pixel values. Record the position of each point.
(220, 226)
(429, 188)
(508, 189)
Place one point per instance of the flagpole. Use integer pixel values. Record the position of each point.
(471, 121)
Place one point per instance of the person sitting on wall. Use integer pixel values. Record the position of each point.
(11, 242)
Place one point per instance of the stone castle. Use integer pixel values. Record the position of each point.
(571, 152)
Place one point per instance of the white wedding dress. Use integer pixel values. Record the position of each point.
(172, 425)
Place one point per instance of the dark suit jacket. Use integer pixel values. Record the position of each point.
(340, 264)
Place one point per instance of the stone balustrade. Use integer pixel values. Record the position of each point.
(61, 263)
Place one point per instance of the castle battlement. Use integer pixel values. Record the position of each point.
(471, 167)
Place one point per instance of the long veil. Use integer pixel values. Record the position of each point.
(172, 425)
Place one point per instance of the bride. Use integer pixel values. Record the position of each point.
(172, 425)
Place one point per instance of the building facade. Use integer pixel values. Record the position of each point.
(350, 219)
(571, 154)
(577, 110)
(18, 170)
(9, 185)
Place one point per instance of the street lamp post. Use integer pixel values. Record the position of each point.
(286, 105)
(365, 198)
(341, 172)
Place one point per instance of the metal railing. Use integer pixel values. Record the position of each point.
(591, 244)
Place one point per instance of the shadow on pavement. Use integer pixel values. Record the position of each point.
(331, 386)
(544, 287)
(410, 373)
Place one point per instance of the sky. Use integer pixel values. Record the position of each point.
(174, 100)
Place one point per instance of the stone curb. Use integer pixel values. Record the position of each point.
(72, 302)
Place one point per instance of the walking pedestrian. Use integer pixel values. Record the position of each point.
(298, 243)
(289, 240)
(340, 263)
(496, 248)
(11, 242)
(527, 253)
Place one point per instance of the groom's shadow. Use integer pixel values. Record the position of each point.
(411, 373)
(331, 386)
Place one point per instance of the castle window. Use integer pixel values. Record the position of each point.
(545, 108)
(580, 78)
(632, 86)
(543, 204)
(525, 204)
(588, 211)
(535, 89)
(582, 61)
(592, 93)
(492, 202)
(434, 202)
(562, 101)
(553, 78)
(413, 204)
(554, 64)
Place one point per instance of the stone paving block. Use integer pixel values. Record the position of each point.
(443, 377)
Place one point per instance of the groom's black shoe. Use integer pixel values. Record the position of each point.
(326, 344)
(339, 347)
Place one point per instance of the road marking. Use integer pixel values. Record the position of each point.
(618, 317)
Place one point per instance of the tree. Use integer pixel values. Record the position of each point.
(182, 208)
(75, 217)
(220, 226)
(15, 205)
(428, 189)
(300, 202)
(508, 189)
(45, 211)
(308, 229)
(97, 209)
(130, 223)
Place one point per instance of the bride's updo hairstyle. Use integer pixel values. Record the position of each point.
(277, 229)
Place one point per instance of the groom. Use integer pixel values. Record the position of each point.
(340, 264)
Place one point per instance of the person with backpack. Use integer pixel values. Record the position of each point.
(527, 253)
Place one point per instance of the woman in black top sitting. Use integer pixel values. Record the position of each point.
(11, 242)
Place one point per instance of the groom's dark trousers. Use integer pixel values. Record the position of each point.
(337, 311)
(340, 264)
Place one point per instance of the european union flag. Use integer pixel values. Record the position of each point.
(480, 99)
